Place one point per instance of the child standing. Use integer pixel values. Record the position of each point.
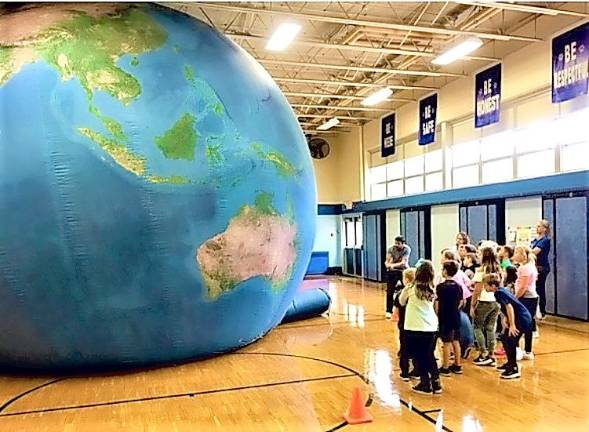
(449, 300)
(421, 324)
(525, 290)
(505, 256)
(408, 281)
(516, 320)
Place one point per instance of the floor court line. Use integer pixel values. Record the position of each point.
(29, 391)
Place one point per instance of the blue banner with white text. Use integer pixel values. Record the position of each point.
(570, 64)
(428, 110)
(387, 135)
(487, 96)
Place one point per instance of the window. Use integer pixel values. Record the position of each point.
(465, 154)
(395, 170)
(497, 146)
(350, 233)
(413, 166)
(434, 182)
(359, 232)
(535, 164)
(378, 174)
(379, 191)
(395, 188)
(498, 170)
(536, 137)
(433, 161)
(574, 156)
(572, 128)
(466, 176)
(414, 185)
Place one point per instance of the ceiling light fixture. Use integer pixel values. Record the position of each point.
(377, 97)
(283, 36)
(328, 124)
(458, 51)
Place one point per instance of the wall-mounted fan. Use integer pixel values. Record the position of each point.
(318, 147)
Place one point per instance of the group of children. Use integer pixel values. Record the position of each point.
(466, 297)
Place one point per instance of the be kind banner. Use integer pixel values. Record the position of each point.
(570, 60)
(428, 109)
(487, 96)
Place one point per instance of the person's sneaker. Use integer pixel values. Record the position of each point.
(388, 315)
(436, 387)
(422, 388)
(445, 372)
(502, 368)
(511, 373)
(404, 376)
(466, 352)
(414, 375)
(492, 363)
(528, 356)
(455, 369)
(484, 361)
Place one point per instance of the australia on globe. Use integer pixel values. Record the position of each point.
(157, 197)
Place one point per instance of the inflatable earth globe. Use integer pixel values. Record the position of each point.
(157, 198)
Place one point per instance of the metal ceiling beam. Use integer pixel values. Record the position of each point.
(524, 8)
(331, 116)
(328, 132)
(351, 84)
(338, 96)
(339, 108)
(359, 68)
(363, 48)
(369, 23)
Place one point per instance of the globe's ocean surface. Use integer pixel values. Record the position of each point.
(111, 202)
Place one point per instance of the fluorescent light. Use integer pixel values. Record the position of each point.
(461, 49)
(283, 36)
(377, 97)
(329, 124)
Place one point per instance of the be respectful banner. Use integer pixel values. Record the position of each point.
(387, 135)
(570, 64)
(428, 109)
(487, 96)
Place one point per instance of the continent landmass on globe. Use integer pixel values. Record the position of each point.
(86, 42)
(257, 242)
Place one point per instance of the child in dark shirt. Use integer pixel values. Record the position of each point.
(408, 281)
(449, 300)
(516, 321)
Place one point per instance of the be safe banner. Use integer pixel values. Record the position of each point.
(570, 59)
(487, 96)
(428, 109)
(387, 135)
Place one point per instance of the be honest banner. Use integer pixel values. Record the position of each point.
(570, 60)
(487, 96)
(428, 109)
(387, 135)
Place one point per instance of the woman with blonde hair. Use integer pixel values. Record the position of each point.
(541, 248)
(525, 290)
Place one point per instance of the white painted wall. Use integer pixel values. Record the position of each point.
(393, 226)
(328, 238)
(445, 226)
(522, 212)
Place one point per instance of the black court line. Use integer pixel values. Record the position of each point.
(172, 396)
(339, 323)
(562, 352)
(27, 392)
(437, 410)
(556, 327)
(338, 427)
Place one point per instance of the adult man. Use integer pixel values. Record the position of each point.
(397, 261)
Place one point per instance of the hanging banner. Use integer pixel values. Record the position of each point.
(570, 60)
(387, 135)
(428, 109)
(487, 96)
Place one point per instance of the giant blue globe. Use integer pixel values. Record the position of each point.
(157, 198)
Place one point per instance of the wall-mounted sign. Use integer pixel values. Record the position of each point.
(428, 110)
(387, 135)
(487, 97)
(570, 60)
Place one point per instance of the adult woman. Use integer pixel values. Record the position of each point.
(525, 290)
(484, 309)
(541, 248)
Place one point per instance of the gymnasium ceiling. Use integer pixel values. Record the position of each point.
(347, 50)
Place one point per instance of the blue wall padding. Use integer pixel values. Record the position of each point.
(307, 304)
(319, 263)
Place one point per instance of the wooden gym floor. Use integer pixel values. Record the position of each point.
(300, 377)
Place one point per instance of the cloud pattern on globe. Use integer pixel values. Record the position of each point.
(156, 193)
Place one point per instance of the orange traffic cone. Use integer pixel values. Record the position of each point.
(357, 413)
